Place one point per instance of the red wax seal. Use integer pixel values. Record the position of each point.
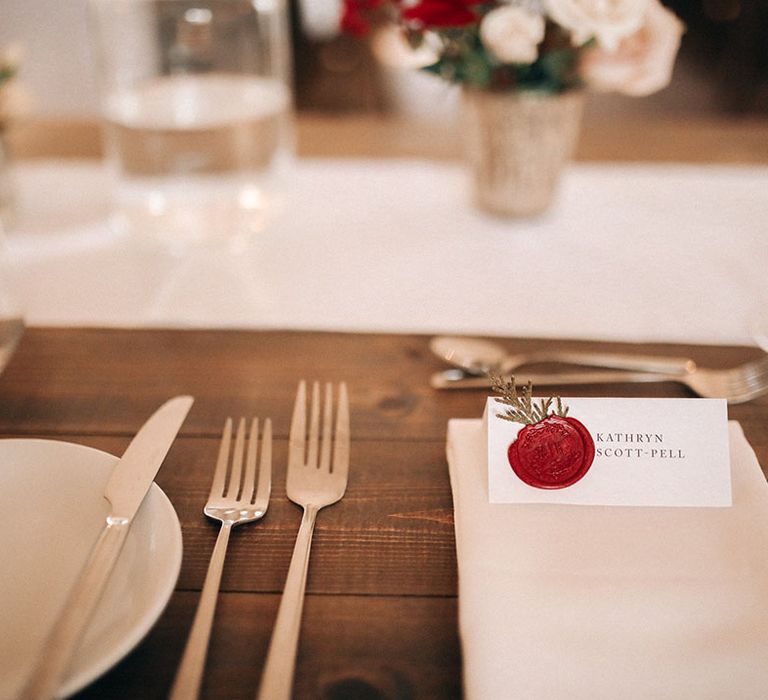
(552, 450)
(552, 453)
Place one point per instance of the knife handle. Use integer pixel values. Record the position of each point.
(62, 642)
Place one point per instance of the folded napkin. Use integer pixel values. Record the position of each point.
(610, 602)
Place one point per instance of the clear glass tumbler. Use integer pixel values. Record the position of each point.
(196, 103)
(11, 317)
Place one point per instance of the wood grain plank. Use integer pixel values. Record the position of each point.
(95, 381)
(604, 137)
(383, 570)
(391, 534)
(407, 648)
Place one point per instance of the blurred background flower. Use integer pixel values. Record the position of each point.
(642, 62)
(534, 44)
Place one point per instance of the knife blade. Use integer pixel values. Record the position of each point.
(127, 486)
(457, 379)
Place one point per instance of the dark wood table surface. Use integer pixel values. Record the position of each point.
(380, 619)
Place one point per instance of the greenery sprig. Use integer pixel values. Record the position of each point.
(6, 73)
(8, 66)
(464, 59)
(520, 406)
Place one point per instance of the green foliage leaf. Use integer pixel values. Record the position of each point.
(464, 59)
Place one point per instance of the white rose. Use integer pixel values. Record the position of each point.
(512, 34)
(608, 21)
(643, 62)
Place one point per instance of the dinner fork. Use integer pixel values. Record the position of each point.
(314, 480)
(737, 384)
(236, 497)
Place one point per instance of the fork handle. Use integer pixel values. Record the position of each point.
(277, 676)
(190, 672)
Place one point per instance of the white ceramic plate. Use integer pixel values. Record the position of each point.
(51, 512)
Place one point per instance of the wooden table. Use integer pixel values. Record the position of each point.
(380, 619)
(603, 138)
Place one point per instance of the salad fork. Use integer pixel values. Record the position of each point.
(315, 479)
(236, 497)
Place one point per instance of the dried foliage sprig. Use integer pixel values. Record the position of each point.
(9, 64)
(520, 406)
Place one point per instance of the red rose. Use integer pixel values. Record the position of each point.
(353, 19)
(442, 13)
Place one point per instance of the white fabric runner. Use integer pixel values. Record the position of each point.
(629, 252)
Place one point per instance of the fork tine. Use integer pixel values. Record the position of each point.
(747, 384)
(233, 487)
(249, 478)
(325, 445)
(311, 489)
(220, 474)
(298, 436)
(264, 486)
(757, 369)
(341, 446)
(314, 427)
(230, 509)
(748, 377)
(755, 381)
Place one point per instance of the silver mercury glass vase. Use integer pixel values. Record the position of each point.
(517, 144)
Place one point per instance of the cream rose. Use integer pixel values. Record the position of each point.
(643, 62)
(512, 34)
(607, 21)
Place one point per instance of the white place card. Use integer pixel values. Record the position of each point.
(647, 452)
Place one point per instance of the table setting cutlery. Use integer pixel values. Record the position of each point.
(539, 586)
(237, 496)
(317, 477)
(125, 491)
(317, 470)
(737, 384)
(478, 357)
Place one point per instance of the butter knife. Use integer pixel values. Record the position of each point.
(458, 379)
(127, 486)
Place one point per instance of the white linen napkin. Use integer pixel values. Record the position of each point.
(610, 602)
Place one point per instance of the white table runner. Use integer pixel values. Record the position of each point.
(629, 252)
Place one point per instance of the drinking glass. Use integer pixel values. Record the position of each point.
(11, 317)
(196, 105)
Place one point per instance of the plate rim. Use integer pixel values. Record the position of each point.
(80, 678)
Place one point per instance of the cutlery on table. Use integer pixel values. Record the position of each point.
(237, 496)
(477, 356)
(317, 477)
(736, 384)
(125, 491)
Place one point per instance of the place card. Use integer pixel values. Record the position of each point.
(611, 452)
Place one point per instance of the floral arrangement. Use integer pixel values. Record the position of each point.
(628, 46)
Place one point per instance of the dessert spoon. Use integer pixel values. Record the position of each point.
(477, 356)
